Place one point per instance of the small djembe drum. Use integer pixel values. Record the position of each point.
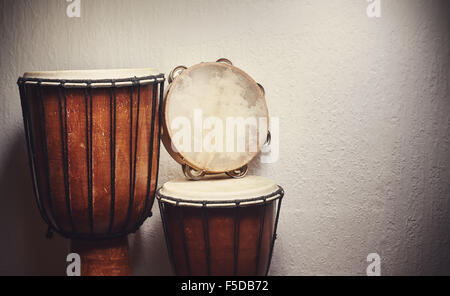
(220, 227)
(93, 146)
(215, 121)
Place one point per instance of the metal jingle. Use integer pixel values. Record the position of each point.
(262, 89)
(238, 173)
(191, 173)
(268, 139)
(225, 61)
(175, 72)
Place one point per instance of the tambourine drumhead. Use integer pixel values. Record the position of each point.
(92, 74)
(214, 188)
(215, 100)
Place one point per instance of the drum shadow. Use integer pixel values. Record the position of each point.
(148, 249)
(25, 249)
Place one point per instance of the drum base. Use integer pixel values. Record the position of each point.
(103, 257)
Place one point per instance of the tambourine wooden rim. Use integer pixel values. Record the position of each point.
(235, 172)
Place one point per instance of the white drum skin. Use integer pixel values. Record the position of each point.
(217, 188)
(91, 74)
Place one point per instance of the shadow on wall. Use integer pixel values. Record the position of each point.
(148, 250)
(24, 249)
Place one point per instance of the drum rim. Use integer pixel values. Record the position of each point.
(93, 83)
(167, 135)
(232, 203)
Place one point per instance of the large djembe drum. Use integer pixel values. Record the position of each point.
(220, 227)
(93, 146)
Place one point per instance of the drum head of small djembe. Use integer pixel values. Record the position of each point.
(215, 118)
(217, 191)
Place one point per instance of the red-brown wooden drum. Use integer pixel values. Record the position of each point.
(219, 226)
(93, 143)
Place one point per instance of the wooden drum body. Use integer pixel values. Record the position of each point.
(93, 143)
(220, 227)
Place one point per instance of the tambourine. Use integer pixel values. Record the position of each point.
(215, 119)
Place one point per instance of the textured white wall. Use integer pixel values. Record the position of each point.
(364, 114)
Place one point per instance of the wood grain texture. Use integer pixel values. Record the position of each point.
(93, 126)
(103, 258)
(221, 230)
